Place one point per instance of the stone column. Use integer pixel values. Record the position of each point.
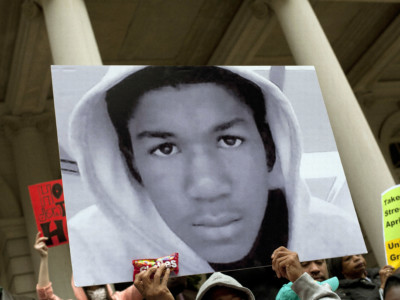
(31, 161)
(71, 36)
(72, 42)
(366, 170)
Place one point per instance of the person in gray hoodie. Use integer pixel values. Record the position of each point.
(219, 285)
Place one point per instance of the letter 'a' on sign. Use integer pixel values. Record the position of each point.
(48, 206)
(391, 225)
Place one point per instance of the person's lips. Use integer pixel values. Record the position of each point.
(360, 265)
(216, 221)
(220, 227)
(318, 278)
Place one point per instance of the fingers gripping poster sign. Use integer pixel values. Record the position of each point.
(48, 205)
(219, 164)
(391, 225)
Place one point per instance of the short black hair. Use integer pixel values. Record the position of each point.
(335, 267)
(123, 97)
(393, 280)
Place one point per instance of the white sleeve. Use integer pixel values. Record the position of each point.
(307, 289)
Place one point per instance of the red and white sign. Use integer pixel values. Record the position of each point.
(49, 209)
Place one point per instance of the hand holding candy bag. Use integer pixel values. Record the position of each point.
(171, 262)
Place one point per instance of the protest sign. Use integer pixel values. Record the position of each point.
(391, 225)
(212, 167)
(49, 209)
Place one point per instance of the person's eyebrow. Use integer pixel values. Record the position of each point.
(229, 124)
(154, 134)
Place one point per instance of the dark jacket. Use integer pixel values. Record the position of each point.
(354, 289)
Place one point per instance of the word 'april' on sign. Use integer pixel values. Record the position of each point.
(49, 209)
(391, 225)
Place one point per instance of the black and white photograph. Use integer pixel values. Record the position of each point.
(220, 164)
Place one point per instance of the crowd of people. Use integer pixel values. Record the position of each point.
(339, 278)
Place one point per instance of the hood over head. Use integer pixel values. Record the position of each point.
(222, 280)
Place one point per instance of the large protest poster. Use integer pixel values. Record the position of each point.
(48, 206)
(218, 164)
(391, 225)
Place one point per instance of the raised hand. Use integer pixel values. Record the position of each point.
(286, 264)
(40, 245)
(152, 283)
(384, 273)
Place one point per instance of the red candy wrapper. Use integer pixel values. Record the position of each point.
(170, 261)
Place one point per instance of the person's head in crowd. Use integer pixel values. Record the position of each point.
(317, 269)
(354, 266)
(104, 292)
(392, 287)
(283, 258)
(93, 292)
(349, 267)
(177, 285)
(303, 278)
(221, 286)
(97, 292)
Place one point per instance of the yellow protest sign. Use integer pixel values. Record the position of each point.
(391, 225)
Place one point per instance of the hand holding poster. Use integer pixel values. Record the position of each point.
(48, 205)
(391, 225)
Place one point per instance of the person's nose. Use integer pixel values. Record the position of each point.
(356, 258)
(314, 269)
(207, 176)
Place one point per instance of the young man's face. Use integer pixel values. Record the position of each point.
(316, 268)
(203, 164)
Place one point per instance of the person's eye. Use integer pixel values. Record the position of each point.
(304, 264)
(229, 141)
(164, 150)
